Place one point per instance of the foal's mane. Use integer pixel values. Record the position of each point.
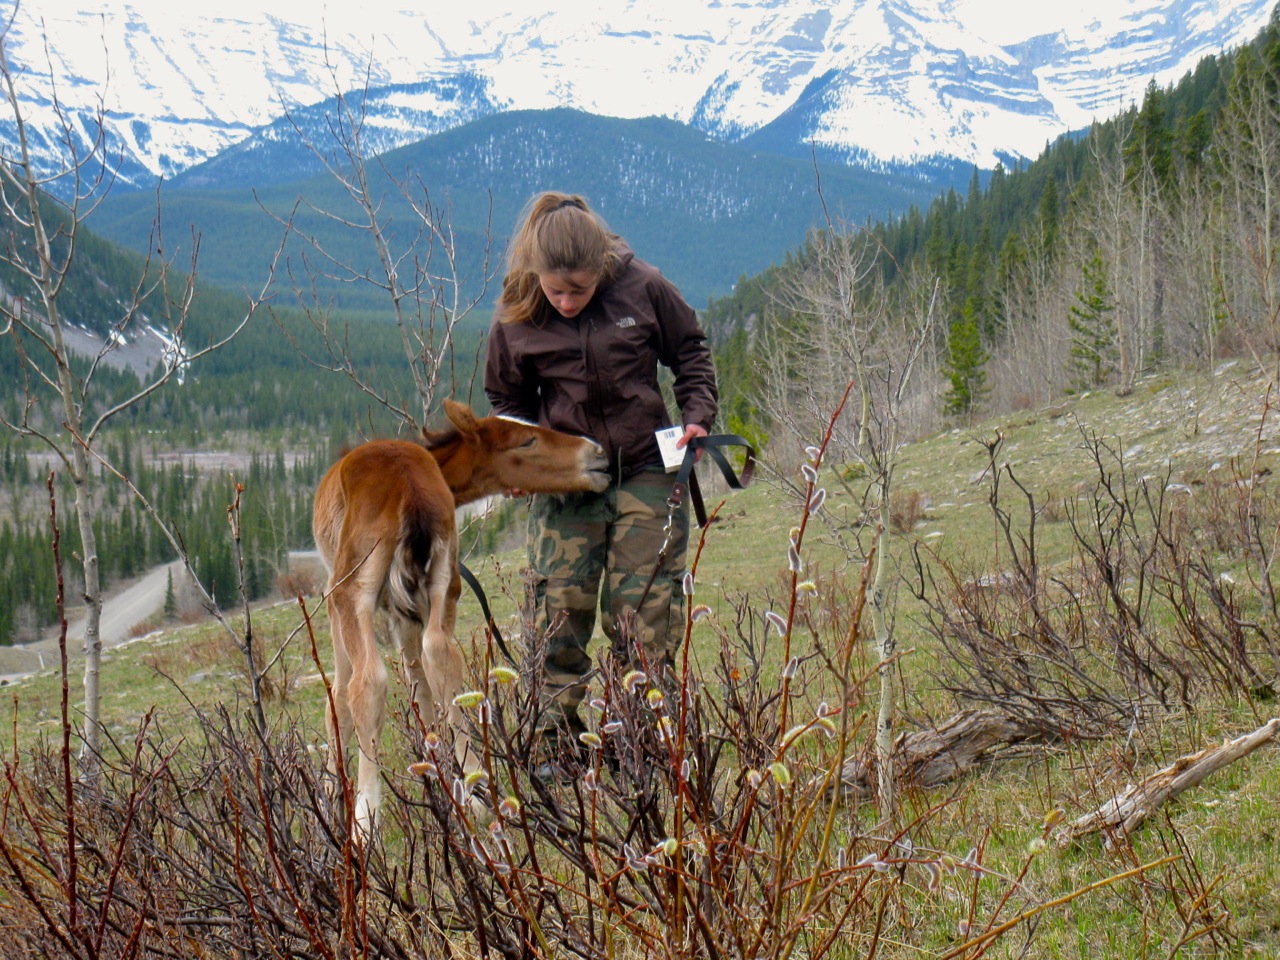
(434, 439)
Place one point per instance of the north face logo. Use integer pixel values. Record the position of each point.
(627, 322)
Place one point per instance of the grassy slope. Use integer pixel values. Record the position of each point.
(1230, 824)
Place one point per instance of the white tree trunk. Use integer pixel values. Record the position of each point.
(86, 513)
(886, 647)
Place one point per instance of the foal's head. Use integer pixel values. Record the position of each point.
(480, 456)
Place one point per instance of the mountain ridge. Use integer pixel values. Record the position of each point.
(704, 211)
(877, 81)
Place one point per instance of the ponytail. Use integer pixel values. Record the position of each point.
(556, 233)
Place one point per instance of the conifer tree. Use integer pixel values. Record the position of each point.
(1048, 211)
(966, 363)
(170, 598)
(1093, 350)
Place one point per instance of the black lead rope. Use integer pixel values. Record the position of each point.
(492, 624)
(686, 482)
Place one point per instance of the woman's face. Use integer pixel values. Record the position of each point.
(569, 292)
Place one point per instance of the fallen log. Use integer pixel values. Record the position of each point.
(1122, 815)
(929, 757)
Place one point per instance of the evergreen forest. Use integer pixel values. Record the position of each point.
(1147, 241)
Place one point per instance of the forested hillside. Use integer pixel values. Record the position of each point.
(1148, 240)
(265, 410)
(705, 212)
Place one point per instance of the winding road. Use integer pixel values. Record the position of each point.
(122, 610)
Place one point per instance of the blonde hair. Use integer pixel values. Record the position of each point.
(556, 233)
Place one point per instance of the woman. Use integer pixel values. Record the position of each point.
(579, 333)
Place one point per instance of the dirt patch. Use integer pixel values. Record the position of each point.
(18, 662)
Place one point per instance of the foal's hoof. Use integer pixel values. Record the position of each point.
(556, 774)
(479, 811)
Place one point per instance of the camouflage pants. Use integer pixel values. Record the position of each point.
(589, 546)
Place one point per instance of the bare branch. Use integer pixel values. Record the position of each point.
(414, 262)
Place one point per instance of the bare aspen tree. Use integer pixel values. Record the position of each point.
(1247, 150)
(1031, 358)
(1143, 280)
(62, 405)
(843, 328)
(1194, 312)
(1149, 176)
(1111, 213)
(415, 262)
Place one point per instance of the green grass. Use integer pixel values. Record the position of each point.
(1226, 829)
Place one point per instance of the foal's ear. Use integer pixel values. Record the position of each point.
(460, 416)
(462, 422)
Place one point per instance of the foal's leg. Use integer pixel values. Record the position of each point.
(337, 715)
(441, 658)
(360, 688)
(408, 634)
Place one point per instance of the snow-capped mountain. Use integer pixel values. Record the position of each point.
(876, 80)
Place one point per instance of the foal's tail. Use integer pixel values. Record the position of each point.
(407, 578)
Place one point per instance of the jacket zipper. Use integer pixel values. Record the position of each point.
(595, 393)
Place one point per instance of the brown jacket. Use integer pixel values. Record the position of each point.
(597, 373)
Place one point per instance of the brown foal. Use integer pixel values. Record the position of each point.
(385, 527)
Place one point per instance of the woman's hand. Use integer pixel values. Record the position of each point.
(690, 431)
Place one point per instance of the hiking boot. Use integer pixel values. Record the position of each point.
(560, 757)
(554, 773)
